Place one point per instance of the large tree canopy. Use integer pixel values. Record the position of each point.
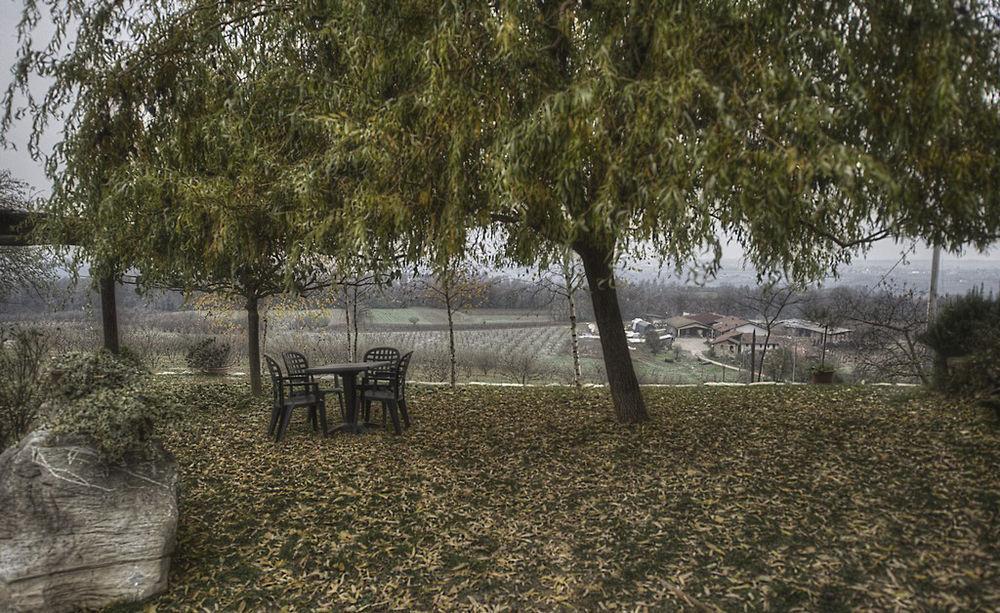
(802, 130)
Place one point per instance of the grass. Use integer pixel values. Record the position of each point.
(830, 499)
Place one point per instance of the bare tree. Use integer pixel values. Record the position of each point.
(887, 322)
(485, 360)
(563, 281)
(768, 302)
(521, 366)
(456, 286)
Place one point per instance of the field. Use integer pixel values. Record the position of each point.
(492, 345)
(765, 498)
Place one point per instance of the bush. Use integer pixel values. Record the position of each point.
(653, 341)
(208, 354)
(962, 327)
(105, 399)
(966, 340)
(978, 377)
(22, 353)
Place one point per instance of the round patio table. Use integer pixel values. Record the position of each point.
(348, 371)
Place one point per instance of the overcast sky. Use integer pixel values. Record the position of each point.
(23, 167)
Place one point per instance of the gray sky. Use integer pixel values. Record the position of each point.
(23, 167)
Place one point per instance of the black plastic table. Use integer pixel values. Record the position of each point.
(348, 371)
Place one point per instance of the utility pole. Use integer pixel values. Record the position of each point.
(932, 294)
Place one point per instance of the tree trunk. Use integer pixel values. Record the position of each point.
(932, 294)
(451, 339)
(354, 306)
(347, 323)
(573, 338)
(629, 405)
(763, 355)
(253, 344)
(753, 354)
(109, 314)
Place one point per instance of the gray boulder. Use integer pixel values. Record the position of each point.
(78, 534)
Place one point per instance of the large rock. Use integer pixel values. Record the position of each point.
(77, 534)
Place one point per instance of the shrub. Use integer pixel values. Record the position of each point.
(962, 327)
(105, 399)
(22, 353)
(965, 337)
(653, 341)
(978, 377)
(207, 354)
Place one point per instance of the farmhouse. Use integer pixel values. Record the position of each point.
(736, 342)
(729, 324)
(803, 328)
(683, 326)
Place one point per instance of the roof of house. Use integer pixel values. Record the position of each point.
(728, 323)
(742, 338)
(805, 324)
(682, 321)
(706, 319)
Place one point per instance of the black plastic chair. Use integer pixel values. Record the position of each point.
(391, 394)
(296, 365)
(380, 376)
(289, 393)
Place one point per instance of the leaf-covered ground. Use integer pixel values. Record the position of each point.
(731, 498)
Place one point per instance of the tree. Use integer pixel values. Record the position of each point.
(801, 130)
(186, 176)
(653, 341)
(619, 128)
(521, 366)
(887, 325)
(768, 302)
(354, 289)
(563, 280)
(20, 266)
(455, 286)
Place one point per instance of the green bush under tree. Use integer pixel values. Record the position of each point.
(109, 401)
(965, 338)
(208, 354)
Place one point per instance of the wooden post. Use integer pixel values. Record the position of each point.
(109, 314)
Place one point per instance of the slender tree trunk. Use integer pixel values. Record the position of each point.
(763, 355)
(354, 306)
(451, 339)
(109, 314)
(753, 354)
(629, 405)
(573, 338)
(347, 324)
(932, 294)
(253, 344)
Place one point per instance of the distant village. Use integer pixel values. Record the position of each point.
(732, 335)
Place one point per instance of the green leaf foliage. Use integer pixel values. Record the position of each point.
(108, 401)
(799, 129)
(207, 354)
(964, 326)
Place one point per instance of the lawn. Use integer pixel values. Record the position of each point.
(729, 498)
